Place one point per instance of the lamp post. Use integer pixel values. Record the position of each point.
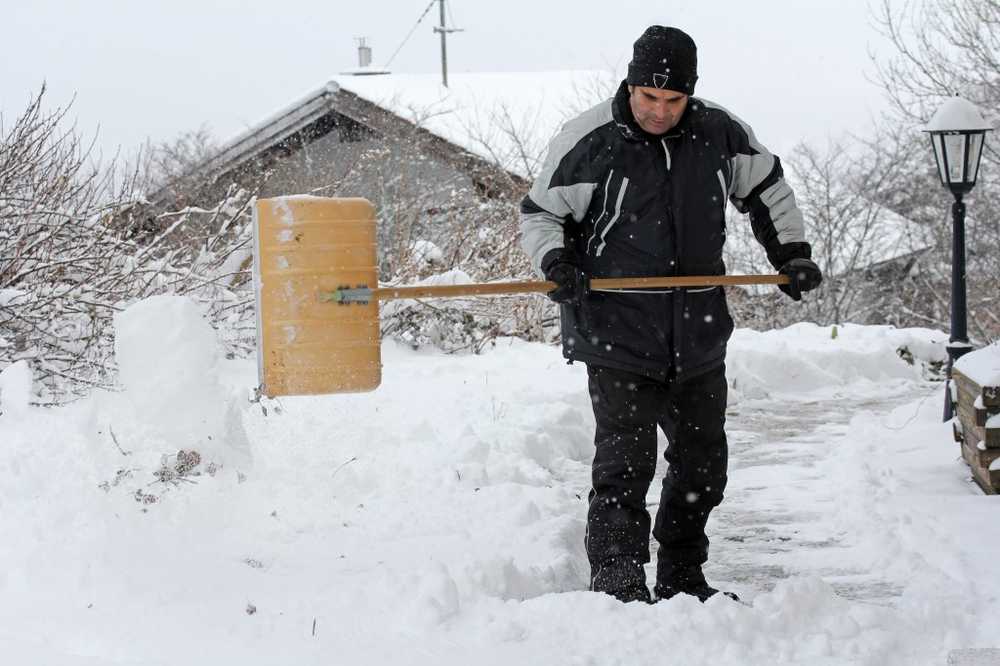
(957, 134)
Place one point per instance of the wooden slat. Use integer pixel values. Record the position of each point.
(988, 481)
(968, 390)
(991, 436)
(983, 457)
(981, 416)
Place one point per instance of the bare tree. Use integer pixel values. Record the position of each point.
(942, 48)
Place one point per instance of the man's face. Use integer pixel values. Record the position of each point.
(657, 111)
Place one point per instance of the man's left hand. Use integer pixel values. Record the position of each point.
(804, 275)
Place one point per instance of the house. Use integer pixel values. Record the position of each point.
(402, 135)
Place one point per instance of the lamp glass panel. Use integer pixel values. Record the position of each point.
(975, 152)
(954, 147)
(937, 141)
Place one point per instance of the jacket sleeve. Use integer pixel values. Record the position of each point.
(561, 193)
(759, 189)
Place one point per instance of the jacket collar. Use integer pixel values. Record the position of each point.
(621, 111)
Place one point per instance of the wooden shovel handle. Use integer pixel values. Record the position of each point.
(598, 284)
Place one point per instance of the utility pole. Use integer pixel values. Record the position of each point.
(444, 30)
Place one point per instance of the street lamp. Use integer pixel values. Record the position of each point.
(957, 133)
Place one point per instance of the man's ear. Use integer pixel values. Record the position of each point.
(630, 89)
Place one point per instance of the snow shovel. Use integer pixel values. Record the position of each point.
(317, 294)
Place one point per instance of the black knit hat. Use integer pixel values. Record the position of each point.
(664, 58)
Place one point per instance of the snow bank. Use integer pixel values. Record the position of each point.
(806, 357)
(440, 519)
(982, 366)
(15, 389)
(168, 363)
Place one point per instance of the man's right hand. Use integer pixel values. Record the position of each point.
(803, 274)
(559, 266)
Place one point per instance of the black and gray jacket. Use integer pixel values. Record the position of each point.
(629, 204)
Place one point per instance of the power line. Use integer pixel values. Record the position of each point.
(410, 34)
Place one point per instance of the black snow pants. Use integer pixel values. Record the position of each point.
(628, 407)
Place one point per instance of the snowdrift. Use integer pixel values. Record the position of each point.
(439, 519)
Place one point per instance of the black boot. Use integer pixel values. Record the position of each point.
(623, 578)
(687, 581)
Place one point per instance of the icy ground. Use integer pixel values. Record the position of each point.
(439, 520)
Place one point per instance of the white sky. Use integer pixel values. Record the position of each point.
(794, 69)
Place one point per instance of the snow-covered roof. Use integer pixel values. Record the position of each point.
(866, 240)
(876, 238)
(505, 118)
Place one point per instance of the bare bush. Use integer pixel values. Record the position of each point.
(69, 259)
(61, 266)
(174, 163)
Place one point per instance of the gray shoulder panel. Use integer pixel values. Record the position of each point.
(564, 186)
(751, 168)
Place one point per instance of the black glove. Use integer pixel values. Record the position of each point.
(560, 266)
(804, 274)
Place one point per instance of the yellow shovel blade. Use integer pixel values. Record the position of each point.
(303, 247)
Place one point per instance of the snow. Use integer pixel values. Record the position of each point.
(7, 296)
(982, 365)
(993, 422)
(957, 114)
(424, 252)
(975, 657)
(452, 276)
(168, 362)
(440, 519)
(810, 358)
(15, 389)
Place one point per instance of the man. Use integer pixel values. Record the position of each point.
(637, 186)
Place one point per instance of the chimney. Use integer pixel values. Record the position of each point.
(364, 53)
(365, 66)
